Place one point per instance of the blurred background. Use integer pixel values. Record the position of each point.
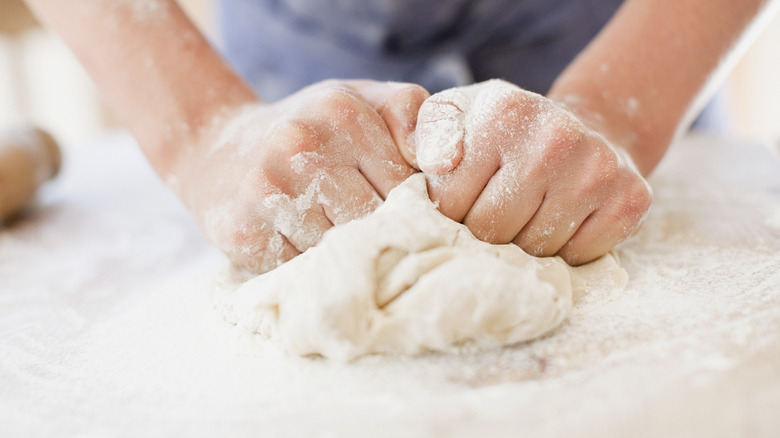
(41, 82)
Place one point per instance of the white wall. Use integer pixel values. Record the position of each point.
(754, 90)
(42, 83)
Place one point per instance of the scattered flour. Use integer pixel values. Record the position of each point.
(296, 217)
(106, 325)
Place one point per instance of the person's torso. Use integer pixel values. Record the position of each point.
(282, 45)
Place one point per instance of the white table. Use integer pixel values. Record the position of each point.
(107, 326)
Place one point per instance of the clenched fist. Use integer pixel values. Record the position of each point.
(517, 167)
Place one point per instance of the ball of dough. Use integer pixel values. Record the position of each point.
(405, 279)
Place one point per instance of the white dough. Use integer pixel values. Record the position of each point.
(406, 279)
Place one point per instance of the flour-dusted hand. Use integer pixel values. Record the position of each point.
(517, 167)
(271, 179)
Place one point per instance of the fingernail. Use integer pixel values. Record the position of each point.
(440, 131)
(411, 143)
(438, 144)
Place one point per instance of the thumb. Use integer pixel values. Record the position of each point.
(438, 138)
(398, 104)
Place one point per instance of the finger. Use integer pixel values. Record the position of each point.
(440, 132)
(554, 223)
(241, 224)
(570, 197)
(357, 136)
(398, 103)
(494, 133)
(288, 219)
(247, 237)
(348, 196)
(341, 189)
(266, 256)
(301, 218)
(379, 160)
(611, 224)
(506, 204)
(454, 193)
(594, 238)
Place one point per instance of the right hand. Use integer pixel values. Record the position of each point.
(265, 184)
(517, 167)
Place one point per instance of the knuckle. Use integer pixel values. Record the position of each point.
(254, 253)
(643, 193)
(634, 207)
(563, 141)
(293, 136)
(232, 232)
(329, 83)
(639, 199)
(340, 102)
(412, 94)
(509, 101)
(325, 85)
(607, 167)
(610, 166)
(246, 235)
(261, 184)
(505, 103)
(405, 105)
(601, 172)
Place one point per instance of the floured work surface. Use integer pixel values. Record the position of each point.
(107, 327)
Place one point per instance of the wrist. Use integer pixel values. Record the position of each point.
(191, 130)
(621, 122)
(185, 152)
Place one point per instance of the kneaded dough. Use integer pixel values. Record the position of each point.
(406, 279)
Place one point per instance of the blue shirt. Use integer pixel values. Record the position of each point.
(280, 46)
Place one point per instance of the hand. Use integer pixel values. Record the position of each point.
(517, 167)
(267, 182)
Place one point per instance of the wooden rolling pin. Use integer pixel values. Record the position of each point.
(28, 158)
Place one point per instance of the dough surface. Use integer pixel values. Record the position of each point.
(406, 279)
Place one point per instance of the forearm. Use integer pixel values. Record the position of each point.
(648, 71)
(152, 66)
